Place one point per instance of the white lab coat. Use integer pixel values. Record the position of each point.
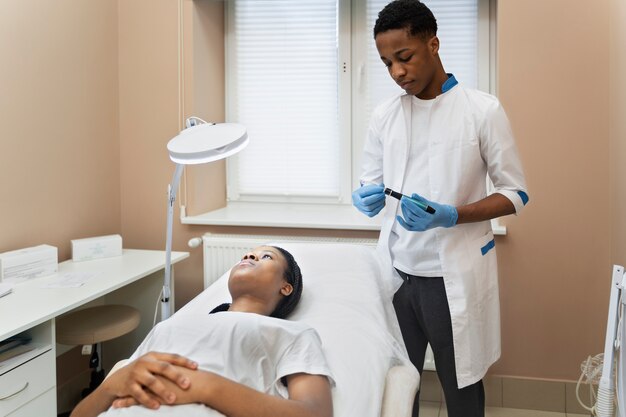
(469, 137)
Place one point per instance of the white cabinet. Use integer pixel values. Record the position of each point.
(27, 381)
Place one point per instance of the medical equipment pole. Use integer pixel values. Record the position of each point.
(605, 406)
(171, 199)
(621, 370)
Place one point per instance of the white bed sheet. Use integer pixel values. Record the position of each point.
(346, 299)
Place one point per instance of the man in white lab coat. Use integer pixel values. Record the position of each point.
(436, 144)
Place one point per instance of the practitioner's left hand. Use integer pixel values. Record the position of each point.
(416, 219)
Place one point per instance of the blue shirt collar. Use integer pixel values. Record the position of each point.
(450, 82)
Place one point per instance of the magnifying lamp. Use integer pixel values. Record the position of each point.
(199, 143)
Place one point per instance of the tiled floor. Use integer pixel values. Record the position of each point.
(432, 409)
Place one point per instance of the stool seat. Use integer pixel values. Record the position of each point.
(96, 324)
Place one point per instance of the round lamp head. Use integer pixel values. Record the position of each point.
(207, 143)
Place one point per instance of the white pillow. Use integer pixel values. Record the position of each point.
(344, 299)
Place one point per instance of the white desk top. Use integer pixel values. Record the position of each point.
(29, 304)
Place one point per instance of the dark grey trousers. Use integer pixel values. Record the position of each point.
(424, 317)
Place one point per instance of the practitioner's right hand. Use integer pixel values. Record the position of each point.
(139, 379)
(369, 199)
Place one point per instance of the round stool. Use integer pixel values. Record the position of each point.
(92, 326)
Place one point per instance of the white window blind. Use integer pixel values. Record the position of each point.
(283, 73)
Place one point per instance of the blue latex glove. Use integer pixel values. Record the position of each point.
(369, 199)
(417, 219)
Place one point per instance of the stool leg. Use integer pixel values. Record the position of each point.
(97, 374)
(94, 360)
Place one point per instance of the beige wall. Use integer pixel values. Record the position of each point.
(148, 97)
(555, 263)
(59, 148)
(87, 171)
(617, 114)
(150, 115)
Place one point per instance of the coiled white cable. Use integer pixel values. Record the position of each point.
(591, 368)
(605, 406)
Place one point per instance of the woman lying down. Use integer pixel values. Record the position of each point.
(243, 359)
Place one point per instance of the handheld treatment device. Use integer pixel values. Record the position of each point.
(397, 195)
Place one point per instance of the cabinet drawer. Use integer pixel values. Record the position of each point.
(42, 406)
(29, 380)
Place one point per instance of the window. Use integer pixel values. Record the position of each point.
(283, 86)
(304, 75)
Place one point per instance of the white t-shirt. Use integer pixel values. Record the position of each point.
(424, 260)
(248, 348)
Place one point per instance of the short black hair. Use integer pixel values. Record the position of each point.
(412, 15)
(293, 275)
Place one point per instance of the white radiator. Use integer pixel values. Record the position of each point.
(222, 251)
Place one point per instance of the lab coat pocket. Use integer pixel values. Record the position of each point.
(483, 257)
(452, 143)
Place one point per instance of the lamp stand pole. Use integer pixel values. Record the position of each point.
(171, 199)
(605, 406)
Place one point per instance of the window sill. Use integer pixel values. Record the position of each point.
(306, 216)
(309, 216)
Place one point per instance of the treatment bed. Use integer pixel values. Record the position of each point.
(347, 298)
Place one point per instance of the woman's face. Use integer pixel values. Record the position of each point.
(260, 274)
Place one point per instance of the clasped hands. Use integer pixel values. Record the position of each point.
(370, 200)
(152, 380)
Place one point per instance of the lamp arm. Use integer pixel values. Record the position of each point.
(171, 199)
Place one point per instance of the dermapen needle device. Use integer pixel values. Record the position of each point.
(397, 195)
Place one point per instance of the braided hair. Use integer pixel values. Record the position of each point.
(407, 14)
(293, 276)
